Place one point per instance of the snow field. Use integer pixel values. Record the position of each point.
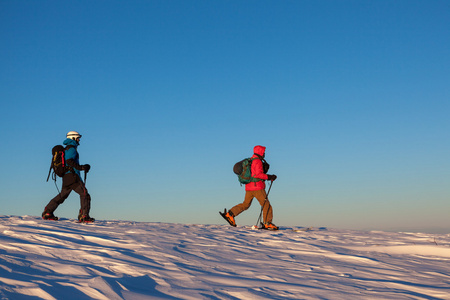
(136, 260)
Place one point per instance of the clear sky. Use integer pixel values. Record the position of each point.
(351, 99)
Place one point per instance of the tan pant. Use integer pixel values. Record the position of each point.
(260, 195)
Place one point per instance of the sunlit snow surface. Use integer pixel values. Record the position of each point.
(135, 260)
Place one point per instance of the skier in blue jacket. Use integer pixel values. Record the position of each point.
(71, 182)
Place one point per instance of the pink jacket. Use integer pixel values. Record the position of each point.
(257, 171)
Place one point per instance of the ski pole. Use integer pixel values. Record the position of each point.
(262, 206)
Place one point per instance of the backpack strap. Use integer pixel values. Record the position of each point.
(259, 156)
(66, 166)
(266, 166)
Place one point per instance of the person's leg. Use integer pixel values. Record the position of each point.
(85, 202)
(261, 196)
(66, 188)
(85, 198)
(236, 210)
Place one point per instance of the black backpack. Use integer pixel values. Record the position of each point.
(58, 164)
(243, 169)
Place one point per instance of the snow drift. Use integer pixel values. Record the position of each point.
(135, 260)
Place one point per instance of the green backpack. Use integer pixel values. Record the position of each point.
(243, 169)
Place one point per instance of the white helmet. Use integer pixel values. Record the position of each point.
(73, 135)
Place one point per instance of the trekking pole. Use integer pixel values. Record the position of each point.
(84, 185)
(262, 206)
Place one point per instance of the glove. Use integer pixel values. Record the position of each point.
(86, 168)
(271, 177)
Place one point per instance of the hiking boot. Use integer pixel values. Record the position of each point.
(49, 216)
(86, 219)
(80, 214)
(230, 218)
(270, 226)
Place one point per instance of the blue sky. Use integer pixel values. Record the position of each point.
(351, 99)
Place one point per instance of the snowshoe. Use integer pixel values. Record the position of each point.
(49, 216)
(86, 219)
(269, 226)
(228, 217)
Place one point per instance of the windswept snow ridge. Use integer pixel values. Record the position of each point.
(134, 260)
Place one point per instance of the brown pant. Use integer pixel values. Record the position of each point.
(260, 195)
